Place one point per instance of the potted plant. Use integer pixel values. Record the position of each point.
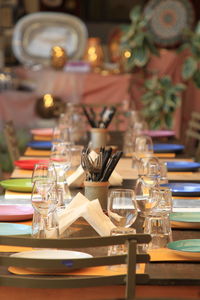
(191, 65)
(136, 43)
(160, 99)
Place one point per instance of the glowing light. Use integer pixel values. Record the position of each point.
(127, 54)
(48, 100)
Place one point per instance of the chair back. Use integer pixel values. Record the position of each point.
(129, 278)
(193, 135)
(11, 141)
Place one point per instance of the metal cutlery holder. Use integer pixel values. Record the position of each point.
(98, 137)
(97, 190)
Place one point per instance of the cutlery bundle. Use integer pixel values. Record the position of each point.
(101, 120)
(101, 168)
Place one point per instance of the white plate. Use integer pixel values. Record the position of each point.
(51, 254)
(35, 34)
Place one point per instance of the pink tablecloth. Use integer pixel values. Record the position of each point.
(97, 88)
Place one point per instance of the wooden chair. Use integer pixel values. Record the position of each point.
(193, 136)
(130, 278)
(11, 141)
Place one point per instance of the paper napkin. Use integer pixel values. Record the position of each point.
(91, 211)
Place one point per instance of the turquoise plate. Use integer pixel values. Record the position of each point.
(14, 229)
(189, 217)
(189, 248)
(17, 185)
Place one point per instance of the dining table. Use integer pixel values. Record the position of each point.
(171, 274)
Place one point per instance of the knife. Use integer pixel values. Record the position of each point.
(106, 157)
(111, 165)
(91, 121)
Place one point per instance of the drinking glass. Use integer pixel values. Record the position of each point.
(44, 202)
(143, 146)
(163, 198)
(44, 170)
(143, 187)
(159, 228)
(122, 211)
(61, 160)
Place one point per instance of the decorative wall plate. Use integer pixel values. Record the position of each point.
(35, 34)
(168, 19)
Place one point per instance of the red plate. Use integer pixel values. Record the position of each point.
(28, 164)
(15, 212)
(42, 131)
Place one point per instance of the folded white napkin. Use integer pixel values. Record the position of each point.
(91, 211)
(77, 178)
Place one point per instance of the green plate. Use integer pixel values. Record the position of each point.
(188, 217)
(14, 229)
(188, 248)
(17, 185)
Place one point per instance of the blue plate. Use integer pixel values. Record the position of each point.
(167, 148)
(182, 166)
(14, 229)
(42, 145)
(184, 189)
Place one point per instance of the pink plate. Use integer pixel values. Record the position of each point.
(160, 133)
(28, 164)
(42, 131)
(15, 212)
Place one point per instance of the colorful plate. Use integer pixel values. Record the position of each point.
(182, 166)
(184, 189)
(189, 248)
(17, 185)
(28, 164)
(168, 148)
(41, 145)
(14, 229)
(160, 133)
(15, 212)
(52, 254)
(42, 131)
(186, 217)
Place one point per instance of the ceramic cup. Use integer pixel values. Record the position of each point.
(97, 190)
(98, 137)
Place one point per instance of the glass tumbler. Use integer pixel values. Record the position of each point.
(160, 230)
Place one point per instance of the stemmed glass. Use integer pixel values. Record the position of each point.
(61, 159)
(44, 187)
(44, 202)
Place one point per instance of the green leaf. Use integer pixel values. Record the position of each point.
(141, 56)
(135, 13)
(138, 39)
(151, 46)
(189, 68)
(169, 120)
(197, 29)
(196, 78)
(166, 81)
(151, 84)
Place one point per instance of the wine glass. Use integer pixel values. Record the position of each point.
(44, 202)
(61, 159)
(143, 146)
(122, 209)
(44, 170)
